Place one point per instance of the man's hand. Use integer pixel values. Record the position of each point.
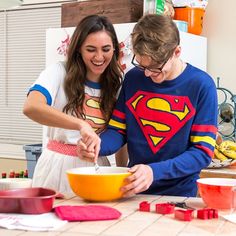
(139, 181)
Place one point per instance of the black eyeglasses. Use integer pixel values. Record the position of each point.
(153, 70)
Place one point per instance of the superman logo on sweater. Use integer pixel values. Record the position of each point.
(93, 113)
(160, 116)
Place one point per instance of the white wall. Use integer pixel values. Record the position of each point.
(220, 29)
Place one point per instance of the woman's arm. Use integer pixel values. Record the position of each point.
(36, 109)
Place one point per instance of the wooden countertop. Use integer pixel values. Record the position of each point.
(227, 172)
(136, 223)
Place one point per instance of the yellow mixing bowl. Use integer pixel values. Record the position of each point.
(103, 185)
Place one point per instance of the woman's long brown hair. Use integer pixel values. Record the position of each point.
(76, 70)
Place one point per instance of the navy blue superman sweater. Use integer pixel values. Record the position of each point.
(169, 126)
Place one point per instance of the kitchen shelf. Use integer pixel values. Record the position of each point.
(226, 112)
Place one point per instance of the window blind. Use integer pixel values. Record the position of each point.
(22, 58)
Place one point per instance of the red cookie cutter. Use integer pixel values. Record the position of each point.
(144, 206)
(185, 215)
(165, 208)
(207, 213)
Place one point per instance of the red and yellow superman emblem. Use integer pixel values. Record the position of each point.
(160, 116)
(93, 113)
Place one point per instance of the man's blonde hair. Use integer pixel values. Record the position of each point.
(156, 36)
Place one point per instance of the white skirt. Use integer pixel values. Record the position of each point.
(50, 170)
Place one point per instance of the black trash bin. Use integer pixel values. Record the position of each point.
(32, 153)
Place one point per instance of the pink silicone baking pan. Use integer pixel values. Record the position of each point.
(27, 200)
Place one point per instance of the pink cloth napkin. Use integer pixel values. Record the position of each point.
(86, 213)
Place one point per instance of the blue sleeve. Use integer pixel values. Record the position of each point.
(111, 142)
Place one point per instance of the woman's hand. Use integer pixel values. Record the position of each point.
(90, 143)
(84, 154)
(139, 181)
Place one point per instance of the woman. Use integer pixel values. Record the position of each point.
(75, 98)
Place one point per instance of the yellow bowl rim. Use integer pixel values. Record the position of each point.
(71, 171)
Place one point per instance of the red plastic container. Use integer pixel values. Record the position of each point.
(27, 200)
